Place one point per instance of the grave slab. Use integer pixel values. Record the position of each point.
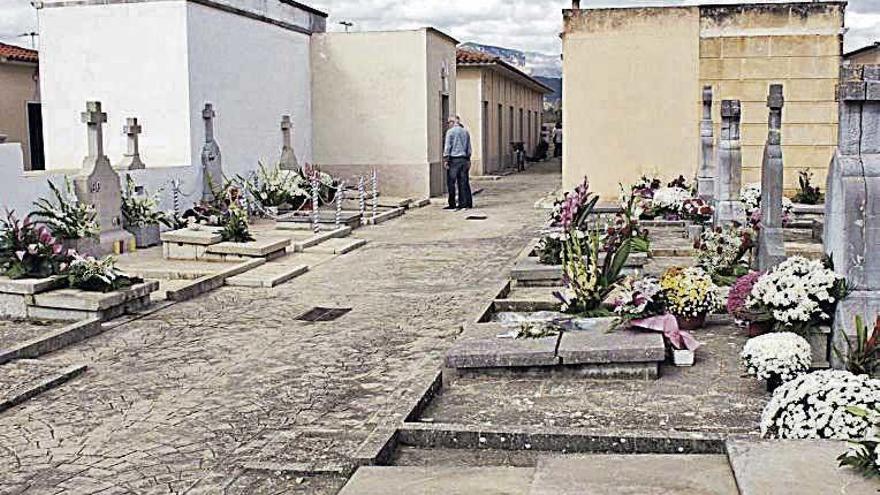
(259, 248)
(804, 467)
(303, 219)
(75, 304)
(600, 346)
(480, 347)
(439, 480)
(613, 474)
(29, 286)
(203, 237)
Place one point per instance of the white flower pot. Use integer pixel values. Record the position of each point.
(683, 357)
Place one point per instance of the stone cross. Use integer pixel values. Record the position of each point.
(288, 157)
(852, 203)
(212, 170)
(771, 247)
(706, 174)
(728, 207)
(98, 185)
(131, 160)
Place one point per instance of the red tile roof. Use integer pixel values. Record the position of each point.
(474, 57)
(17, 53)
(465, 58)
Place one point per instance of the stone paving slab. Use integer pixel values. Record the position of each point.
(601, 346)
(25, 378)
(804, 467)
(29, 286)
(439, 480)
(337, 246)
(528, 299)
(204, 237)
(75, 299)
(634, 474)
(480, 347)
(268, 275)
(256, 249)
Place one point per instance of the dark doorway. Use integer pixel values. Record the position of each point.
(35, 136)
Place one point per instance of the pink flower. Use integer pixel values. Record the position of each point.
(20, 255)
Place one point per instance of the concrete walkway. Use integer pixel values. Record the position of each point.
(180, 401)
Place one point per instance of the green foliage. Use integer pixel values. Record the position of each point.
(862, 355)
(98, 275)
(276, 187)
(140, 211)
(235, 228)
(29, 251)
(863, 456)
(66, 217)
(807, 193)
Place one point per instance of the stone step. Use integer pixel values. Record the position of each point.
(804, 467)
(267, 276)
(337, 246)
(556, 475)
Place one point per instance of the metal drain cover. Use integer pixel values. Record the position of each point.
(323, 314)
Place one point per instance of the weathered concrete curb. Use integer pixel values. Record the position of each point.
(41, 386)
(300, 246)
(384, 216)
(210, 282)
(53, 341)
(556, 439)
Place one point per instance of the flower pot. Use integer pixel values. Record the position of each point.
(691, 322)
(683, 357)
(145, 235)
(773, 382)
(757, 328)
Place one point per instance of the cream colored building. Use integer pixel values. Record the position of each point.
(380, 100)
(866, 55)
(633, 79)
(498, 104)
(20, 102)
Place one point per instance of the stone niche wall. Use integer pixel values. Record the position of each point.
(744, 49)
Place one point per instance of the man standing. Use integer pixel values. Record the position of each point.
(557, 140)
(457, 161)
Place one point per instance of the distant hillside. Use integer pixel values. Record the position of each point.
(556, 84)
(532, 63)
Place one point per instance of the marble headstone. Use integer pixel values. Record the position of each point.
(771, 246)
(212, 170)
(131, 160)
(98, 184)
(852, 204)
(706, 174)
(728, 206)
(288, 156)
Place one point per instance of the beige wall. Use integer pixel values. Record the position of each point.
(743, 52)
(493, 85)
(440, 60)
(376, 104)
(630, 82)
(18, 88)
(633, 79)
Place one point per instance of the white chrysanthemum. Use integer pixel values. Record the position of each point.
(795, 290)
(814, 405)
(670, 198)
(782, 354)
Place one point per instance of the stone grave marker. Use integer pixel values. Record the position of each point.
(131, 160)
(706, 175)
(729, 207)
(98, 184)
(771, 247)
(212, 170)
(288, 156)
(852, 204)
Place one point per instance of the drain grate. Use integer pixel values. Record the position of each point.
(323, 314)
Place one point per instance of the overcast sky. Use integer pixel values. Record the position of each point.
(528, 25)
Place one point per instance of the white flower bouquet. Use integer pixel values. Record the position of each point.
(669, 201)
(750, 195)
(782, 355)
(634, 299)
(818, 404)
(722, 252)
(798, 294)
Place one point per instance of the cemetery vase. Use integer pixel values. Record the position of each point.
(691, 322)
(145, 235)
(683, 357)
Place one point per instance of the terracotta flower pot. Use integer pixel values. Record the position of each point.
(691, 322)
(757, 328)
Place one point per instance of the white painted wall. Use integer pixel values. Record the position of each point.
(253, 73)
(131, 57)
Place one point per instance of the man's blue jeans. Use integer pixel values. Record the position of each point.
(457, 178)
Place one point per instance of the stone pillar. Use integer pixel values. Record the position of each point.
(288, 157)
(728, 207)
(98, 185)
(771, 247)
(212, 170)
(706, 174)
(852, 203)
(131, 160)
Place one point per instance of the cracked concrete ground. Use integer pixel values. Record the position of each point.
(179, 401)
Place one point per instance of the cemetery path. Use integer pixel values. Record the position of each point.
(181, 400)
